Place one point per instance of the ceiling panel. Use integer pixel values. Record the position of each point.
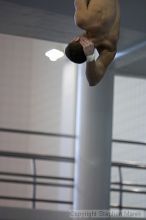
(53, 20)
(133, 14)
(136, 69)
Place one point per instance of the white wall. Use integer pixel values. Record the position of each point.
(39, 95)
(129, 124)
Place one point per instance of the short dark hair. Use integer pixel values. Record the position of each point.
(74, 52)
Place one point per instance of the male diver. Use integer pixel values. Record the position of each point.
(100, 19)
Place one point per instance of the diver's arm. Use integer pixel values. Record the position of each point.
(95, 70)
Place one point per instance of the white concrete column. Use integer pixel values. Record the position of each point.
(93, 146)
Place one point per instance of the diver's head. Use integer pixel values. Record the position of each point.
(74, 52)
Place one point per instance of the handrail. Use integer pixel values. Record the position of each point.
(128, 207)
(36, 200)
(126, 183)
(137, 191)
(121, 165)
(129, 142)
(38, 176)
(132, 188)
(41, 133)
(36, 183)
(5, 177)
(129, 165)
(36, 156)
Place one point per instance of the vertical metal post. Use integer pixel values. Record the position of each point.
(121, 188)
(34, 183)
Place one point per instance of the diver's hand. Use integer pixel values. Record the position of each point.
(75, 39)
(87, 45)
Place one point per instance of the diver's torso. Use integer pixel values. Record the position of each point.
(106, 33)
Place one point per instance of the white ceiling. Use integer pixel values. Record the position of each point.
(53, 21)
